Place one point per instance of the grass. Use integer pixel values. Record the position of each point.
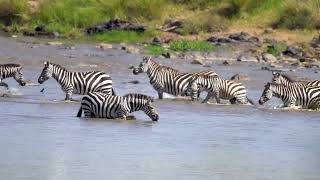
(13, 11)
(276, 49)
(185, 45)
(122, 36)
(155, 49)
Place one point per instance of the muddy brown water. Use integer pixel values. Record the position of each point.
(40, 137)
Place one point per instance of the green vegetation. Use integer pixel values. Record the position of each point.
(277, 49)
(71, 17)
(122, 36)
(155, 49)
(184, 45)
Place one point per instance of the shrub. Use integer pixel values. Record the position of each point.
(276, 49)
(295, 17)
(155, 49)
(13, 11)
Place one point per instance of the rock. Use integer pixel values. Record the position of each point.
(156, 41)
(166, 55)
(172, 25)
(244, 37)
(115, 24)
(315, 42)
(130, 49)
(243, 58)
(131, 67)
(207, 65)
(104, 46)
(269, 30)
(226, 63)
(7, 29)
(134, 82)
(240, 77)
(14, 36)
(55, 43)
(269, 58)
(292, 52)
(197, 61)
(55, 34)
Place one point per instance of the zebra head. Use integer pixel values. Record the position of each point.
(150, 110)
(193, 88)
(46, 72)
(18, 76)
(277, 78)
(143, 66)
(267, 94)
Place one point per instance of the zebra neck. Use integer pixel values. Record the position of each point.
(153, 70)
(134, 104)
(281, 92)
(60, 75)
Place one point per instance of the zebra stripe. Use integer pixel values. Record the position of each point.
(100, 105)
(306, 97)
(286, 80)
(166, 79)
(11, 70)
(77, 82)
(217, 87)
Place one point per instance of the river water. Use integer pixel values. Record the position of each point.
(41, 137)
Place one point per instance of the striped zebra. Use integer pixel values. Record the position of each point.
(77, 82)
(166, 79)
(100, 105)
(11, 70)
(306, 97)
(218, 88)
(279, 78)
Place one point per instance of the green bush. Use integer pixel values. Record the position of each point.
(295, 17)
(13, 11)
(155, 49)
(276, 49)
(185, 45)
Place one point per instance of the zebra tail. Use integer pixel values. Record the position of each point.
(79, 112)
(250, 101)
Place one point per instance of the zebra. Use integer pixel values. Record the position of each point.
(166, 79)
(77, 82)
(100, 105)
(306, 97)
(11, 70)
(279, 78)
(217, 87)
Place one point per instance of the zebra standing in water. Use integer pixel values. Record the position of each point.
(165, 79)
(100, 105)
(306, 97)
(217, 87)
(77, 82)
(286, 80)
(11, 70)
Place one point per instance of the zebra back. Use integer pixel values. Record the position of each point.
(9, 70)
(279, 78)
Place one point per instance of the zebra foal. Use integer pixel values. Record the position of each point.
(218, 88)
(11, 70)
(100, 105)
(77, 82)
(306, 97)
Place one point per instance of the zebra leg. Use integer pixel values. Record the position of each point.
(160, 94)
(4, 84)
(233, 100)
(209, 95)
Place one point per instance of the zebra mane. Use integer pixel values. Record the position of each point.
(57, 65)
(287, 77)
(11, 65)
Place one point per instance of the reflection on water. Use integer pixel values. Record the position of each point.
(40, 137)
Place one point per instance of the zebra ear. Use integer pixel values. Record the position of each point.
(267, 85)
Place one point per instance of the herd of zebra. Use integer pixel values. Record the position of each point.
(101, 101)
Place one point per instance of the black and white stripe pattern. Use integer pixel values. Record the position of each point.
(279, 78)
(217, 87)
(77, 82)
(165, 79)
(11, 70)
(306, 97)
(100, 105)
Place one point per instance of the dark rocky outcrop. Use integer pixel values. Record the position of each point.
(116, 24)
